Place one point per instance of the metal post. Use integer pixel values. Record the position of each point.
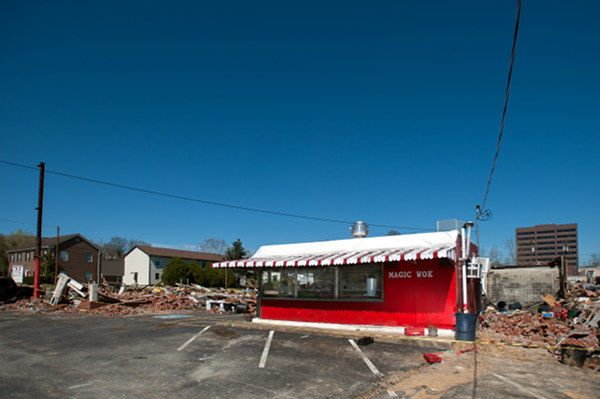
(477, 211)
(38, 247)
(562, 276)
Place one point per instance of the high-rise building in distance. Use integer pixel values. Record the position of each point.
(541, 244)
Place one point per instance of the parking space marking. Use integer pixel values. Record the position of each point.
(263, 358)
(189, 341)
(365, 358)
(87, 384)
(518, 386)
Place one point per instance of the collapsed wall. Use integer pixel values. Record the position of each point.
(523, 284)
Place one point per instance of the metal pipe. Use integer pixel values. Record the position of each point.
(464, 270)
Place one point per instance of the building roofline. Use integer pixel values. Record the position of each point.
(50, 242)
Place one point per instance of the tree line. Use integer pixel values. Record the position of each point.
(179, 271)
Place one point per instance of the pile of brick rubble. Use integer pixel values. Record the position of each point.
(557, 324)
(126, 300)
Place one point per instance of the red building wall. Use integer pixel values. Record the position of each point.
(414, 295)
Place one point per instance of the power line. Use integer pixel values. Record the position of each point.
(25, 223)
(206, 202)
(512, 60)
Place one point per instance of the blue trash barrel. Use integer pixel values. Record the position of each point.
(465, 326)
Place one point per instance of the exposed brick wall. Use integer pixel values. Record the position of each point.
(525, 285)
(77, 266)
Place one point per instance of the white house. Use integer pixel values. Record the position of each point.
(144, 265)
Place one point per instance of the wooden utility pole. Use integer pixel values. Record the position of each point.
(38, 247)
(56, 253)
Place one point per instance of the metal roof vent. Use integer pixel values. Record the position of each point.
(359, 229)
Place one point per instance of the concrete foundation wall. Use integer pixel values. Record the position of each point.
(525, 285)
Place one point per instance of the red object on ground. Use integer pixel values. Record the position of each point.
(432, 358)
(414, 331)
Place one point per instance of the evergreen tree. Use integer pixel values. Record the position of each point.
(196, 273)
(236, 251)
(176, 271)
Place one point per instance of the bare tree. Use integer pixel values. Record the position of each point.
(117, 247)
(213, 246)
(495, 255)
(594, 260)
(511, 258)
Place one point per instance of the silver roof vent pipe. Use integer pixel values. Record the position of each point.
(359, 229)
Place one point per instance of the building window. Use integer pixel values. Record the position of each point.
(89, 257)
(27, 257)
(88, 276)
(64, 255)
(12, 257)
(348, 282)
(364, 282)
(20, 257)
(157, 276)
(135, 277)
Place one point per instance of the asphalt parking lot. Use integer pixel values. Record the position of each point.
(197, 356)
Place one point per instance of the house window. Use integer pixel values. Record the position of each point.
(64, 255)
(27, 257)
(88, 276)
(89, 257)
(20, 257)
(12, 257)
(135, 277)
(157, 276)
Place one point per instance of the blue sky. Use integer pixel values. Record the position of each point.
(386, 112)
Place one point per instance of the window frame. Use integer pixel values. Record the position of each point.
(335, 283)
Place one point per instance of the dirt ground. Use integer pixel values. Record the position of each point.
(527, 372)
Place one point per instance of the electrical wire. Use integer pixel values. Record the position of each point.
(206, 202)
(480, 212)
(512, 60)
(24, 223)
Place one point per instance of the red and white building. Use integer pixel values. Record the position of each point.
(401, 281)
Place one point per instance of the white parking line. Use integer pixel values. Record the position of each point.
(263, 358)
(519, 386)
(365, 358)
(189, 341)
(87, 384)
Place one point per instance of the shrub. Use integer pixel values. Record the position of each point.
(176, 271)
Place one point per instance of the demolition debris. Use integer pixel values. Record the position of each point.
(568, 327)
(70, 296)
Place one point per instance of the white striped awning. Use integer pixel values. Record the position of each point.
(345, 258)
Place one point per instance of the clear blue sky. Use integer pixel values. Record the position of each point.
(386, 112)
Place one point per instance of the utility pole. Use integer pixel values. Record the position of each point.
(38, 247)
(98, 274)
(56, 253)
